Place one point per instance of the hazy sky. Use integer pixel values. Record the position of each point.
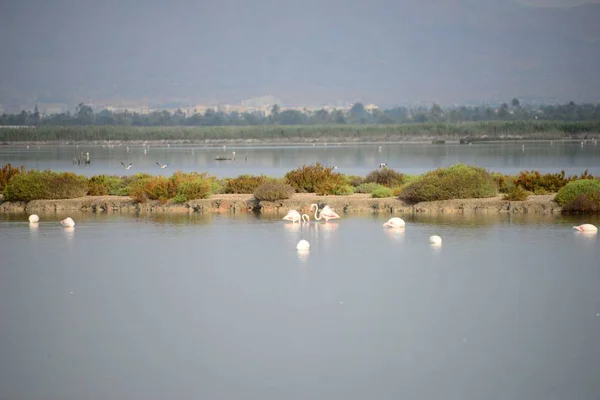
(309, 52)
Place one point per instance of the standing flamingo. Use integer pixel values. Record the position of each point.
(395, 223)
(326, 213)
(293, 216)
(586, 228)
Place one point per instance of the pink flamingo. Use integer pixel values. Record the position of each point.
(326, 213)
(586, 228)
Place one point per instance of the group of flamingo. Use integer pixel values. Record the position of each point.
(68, 222)
(328, 213)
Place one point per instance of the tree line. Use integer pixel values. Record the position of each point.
(357, 114)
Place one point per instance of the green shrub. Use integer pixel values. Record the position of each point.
(102, 185)
(576, 188)
(386, 177)
(583, 203)
(244, 183)
(457, 182)
(516, 193)
(180, 186)
(504, 183)
(7, 172)
(343, 190)
(45, 185)
(194, 189)
(273, 191)
(315, 178)
(367, 187)
(382, 191)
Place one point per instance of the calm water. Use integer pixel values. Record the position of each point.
(411, 158)
(223, 307)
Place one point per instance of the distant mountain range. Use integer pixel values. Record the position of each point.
(310, 52)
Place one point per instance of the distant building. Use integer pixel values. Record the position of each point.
(260, 102)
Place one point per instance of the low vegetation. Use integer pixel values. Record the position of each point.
(576, 194)
(386, 177)
(317, 178)
(577, 188)
(457, 182)
(273, 191)
(583, 203)
(516, 193)
(245, 183)
(381, 192)
(45, 185)
(7, 172)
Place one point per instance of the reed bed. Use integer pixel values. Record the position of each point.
(477, 130)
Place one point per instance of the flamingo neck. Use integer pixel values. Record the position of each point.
(317, 217)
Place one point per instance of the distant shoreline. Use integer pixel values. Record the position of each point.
(293, 134)
(245, 203)
(440, 140)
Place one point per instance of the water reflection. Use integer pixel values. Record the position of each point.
(302, 254)
(292, 227)
(395, 234)
(436, 247)
(69, 232)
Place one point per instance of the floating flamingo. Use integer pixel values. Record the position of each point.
(326, 213)
(67, 222)
(303, 245)
(586, 228)
(34, 218)
(395, 223)
(435, 239)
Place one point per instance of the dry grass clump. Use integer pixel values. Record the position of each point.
(386, 177)
(316, 178)
(273, 191)
(245, 184)
(8, 171)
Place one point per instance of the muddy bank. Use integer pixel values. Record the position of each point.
(238, 203)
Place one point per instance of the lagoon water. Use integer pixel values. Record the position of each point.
(224, 307)
(275, 160)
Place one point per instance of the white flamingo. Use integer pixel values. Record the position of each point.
(126, 166)
(307, 220)
(293, 216)
(67, 222)
(34, 218)
(395, 223)
(435, 239)
(326, 213)
(303, 245)
(586, 228)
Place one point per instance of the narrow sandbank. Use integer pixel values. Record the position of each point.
(241, 203)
